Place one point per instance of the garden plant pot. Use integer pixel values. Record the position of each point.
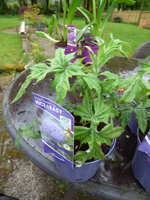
(88, 37)
(85, 51)
(68, 51)
(79, 174)
(141, 166)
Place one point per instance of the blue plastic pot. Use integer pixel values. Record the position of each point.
(141, 166)
(133, 123)
(79, 174)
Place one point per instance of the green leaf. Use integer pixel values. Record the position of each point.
(95, 139)
(85, 110)
(38, 71)
(73, 7)
(63, 72)
(53, 23)
(103, 112)
(86, 14)
(108, 13)
(80, 33)
(99, 18)
(29, 131)
(44, 35)
(92, 81)
(110, 83)
(136, 90)
(125, 114)
(145, 70)
(142, 113)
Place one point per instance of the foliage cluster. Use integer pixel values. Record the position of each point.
(146, 24)
(100, 100)
(14, 8)
(36, 53)
(32, 14)
(3, 7)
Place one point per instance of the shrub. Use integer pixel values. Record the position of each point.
(33, 14)
(3, 7)
(14, 8)
(23, 9)
(146, 24)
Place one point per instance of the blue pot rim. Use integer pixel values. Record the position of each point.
(88, 163)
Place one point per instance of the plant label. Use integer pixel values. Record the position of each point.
(72, 37)
(57, 128)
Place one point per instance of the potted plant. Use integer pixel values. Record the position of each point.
(141, 159)
(97, 26)
(62, 43)
(94, 113)
(138, 91)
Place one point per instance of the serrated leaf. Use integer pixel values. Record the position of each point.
(94, 139)
(110, 83)
(136, 90)
(103, 112)
(142, 113)
(92, 81)
(145, 70)
(38, 72)
(30, 131)
(125, 114)
(85, 110)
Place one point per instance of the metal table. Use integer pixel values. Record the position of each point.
(114, 179)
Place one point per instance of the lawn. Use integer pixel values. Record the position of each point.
(11, 52)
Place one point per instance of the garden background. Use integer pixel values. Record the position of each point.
(16, 171)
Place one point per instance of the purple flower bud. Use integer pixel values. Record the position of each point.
(72, 37)
(53, 130)
(123, 72)
(20, 83)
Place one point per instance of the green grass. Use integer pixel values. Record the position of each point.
(11, 52)
(130, 33)
(9, 22)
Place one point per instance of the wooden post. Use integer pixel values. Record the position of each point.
(140, 13)
(22, 28)
(128, 16)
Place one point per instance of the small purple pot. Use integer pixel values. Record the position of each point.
(88, 37)
(79, 174)
(68, 51)
(85, 51)
(141, 166)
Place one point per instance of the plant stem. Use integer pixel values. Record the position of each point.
(94, 11)
(64, 22)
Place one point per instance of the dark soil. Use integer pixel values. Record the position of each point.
(105, 148)
(61, 44)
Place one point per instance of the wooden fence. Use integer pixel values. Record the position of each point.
(131, 16)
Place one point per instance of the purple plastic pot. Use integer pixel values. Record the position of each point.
(88, 37)
(141, 166)
(79, 174)
(85, 51)
(68, 51)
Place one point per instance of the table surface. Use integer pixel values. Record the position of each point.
(114, 179)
